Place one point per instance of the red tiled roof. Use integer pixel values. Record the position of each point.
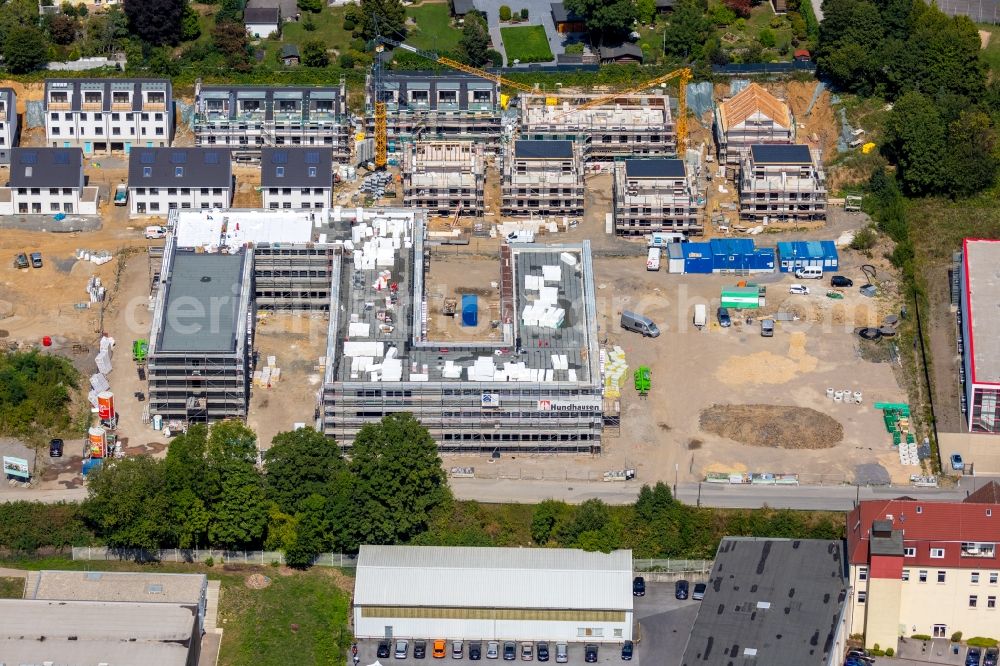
(988, 494)
(938, 525)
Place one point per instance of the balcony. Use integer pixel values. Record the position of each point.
(58, 105)
(979, 550)
(92, 105)
(121, 105)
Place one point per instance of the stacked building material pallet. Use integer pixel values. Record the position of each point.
(615, 368)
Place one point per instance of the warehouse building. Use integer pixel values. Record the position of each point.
(296, 178)
(751, 117)
(162, 179)
(542, 178)
(799, 254)
(445, 177)
(629, 125)
(978, 340)
(529, 594)
(779, 602)
(782, 183)
(720, 255)
(655, 195)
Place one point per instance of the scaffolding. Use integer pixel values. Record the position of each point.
(445, 177)
(782, 191)
(550, 183)
(660, 197)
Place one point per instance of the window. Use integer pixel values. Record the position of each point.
(178, 171)
(147, 172)
(862, 573)
(910, 551)
(976, 549)
(920, 509)
(906, 575)
(973, 600)
(923, 576)
(991, 602)
(937, 553)
(312, 172)
(279, 172)
(974, 577)
(862, 597)
(941, 576)
(993, 577)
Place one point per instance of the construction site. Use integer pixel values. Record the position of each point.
(445, 178)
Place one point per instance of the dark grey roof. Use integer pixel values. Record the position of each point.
(657, 168)
(306, 95)
(11, 98)
(299, 167)
(403, 81)
(179, 167)
(287, 8)
(887, 545)
(289, 51)
(75, 86)
(562, 15)
(462, 7)
(665, 4)
(543, 150)
(782, 598)
(260, 15)
(620, 51)
(777, 153)
(46, 167)
(202, 302)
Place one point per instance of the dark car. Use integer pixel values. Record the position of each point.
(21, 261)
(681, 589)
(475, 651)
(509, 651)
(542, 651)
(36, 259)
(627, 651)
(420, 649)
(590, 653)
(973, 656)
(383, 650)
(55, 448)
(841, 281)
(991, 657)
(699, 591)
(639, 586)
(724, 319)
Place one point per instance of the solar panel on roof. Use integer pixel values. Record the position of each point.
(312, 157)
(212, 158)
(147, 158)
(62, 157)
(29, 158)
(178, 157)
(279, 157)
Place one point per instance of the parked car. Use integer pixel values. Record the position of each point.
(509, 651)
(402, 649)
(590, 653)
(155, 232)
(55, 448)
(492, 650)
(527, 651)
(562, 653)
(991, 657)
(383, 650)
(957, 463)
(861, 656)
(767, 328)
(841, 281)
(638, 586)
(475, 651)
(681, 589)
(439, 649)
(627, 651)
(21, 260)
(457, 650)
(542, 650)
(723, 316)
(121, 194)
(36, 259)
(973, 656)
(699, 591)
(798, 289)
(809, 273)
(419, 649)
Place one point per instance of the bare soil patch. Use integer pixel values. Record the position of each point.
(775, 426)
(257, 581)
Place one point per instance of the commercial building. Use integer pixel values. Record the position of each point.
(8, 123)
(751, 117)
(429, 106)
(542, 178)
(298, 178)
(630, 125)
(545, 594)
(978, 341)
(655, 195)
(925, 567)
(782, 183)
(44, 181)
(720, 255)
(779, 602)
(97, 632)
(445, 177)
(162, 179)
(248, 118)
(108, 115)
(799, 254)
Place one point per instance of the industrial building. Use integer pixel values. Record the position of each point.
(248, 118)
(779, 602)
(434, 105)
(46, 181)
(445, 177)
(799, 254)
(751, 117)
(781, 183)
(108, 115)
(720, 255)
(529, 594)
(162, 179)
(655, 195)
(296, 178)
(631, 125)
(542, 178)
(8, 123)
(978, 341)
(98, 632)
(924, 567)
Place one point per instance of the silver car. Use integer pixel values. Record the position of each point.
(402, 648)
(492, 650)
(562, 653)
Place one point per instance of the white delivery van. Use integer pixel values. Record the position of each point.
(653, 259)
(809, 273)
(155, 232)
(700, 315)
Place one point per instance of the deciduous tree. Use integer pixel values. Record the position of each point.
(127, 502)
(915, 141)
(608, 21)
(302, 463)
(24, 50)
(314, 54)
(475, 41)
(156, 21)
(687, 30)
(383, 17)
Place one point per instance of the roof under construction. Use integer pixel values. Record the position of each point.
(753, 100)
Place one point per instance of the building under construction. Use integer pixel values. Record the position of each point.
(542, 178)
(751, 117)
(445, 177)
(248, 118)
(633, 125)
(433, 105)
(655, 195)
(782, 183)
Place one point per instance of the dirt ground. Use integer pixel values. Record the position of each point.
(451, 276)
(773, 425)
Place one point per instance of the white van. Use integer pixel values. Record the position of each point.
(700, 315)
(155, 232)
(809, 273)
(653, 259)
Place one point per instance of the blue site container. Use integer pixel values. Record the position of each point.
(797, 254)
(470, 310)
(697, 257)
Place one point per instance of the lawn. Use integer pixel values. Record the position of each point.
(991, 54)
(526, 43)
(434, 31)
(11, 588)
(329, 28)
(760, 18)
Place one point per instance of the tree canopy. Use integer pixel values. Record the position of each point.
(687, 30)
(157, 22)
(607, 21)
(24, 50)
(382, 17)
(475, 41)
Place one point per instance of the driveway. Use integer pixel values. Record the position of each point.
(539, 13)
(664, 625)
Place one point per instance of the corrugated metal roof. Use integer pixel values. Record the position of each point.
(493, 577)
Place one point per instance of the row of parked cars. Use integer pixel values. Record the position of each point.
(528, 650)
(976, 657)
(681, 589)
